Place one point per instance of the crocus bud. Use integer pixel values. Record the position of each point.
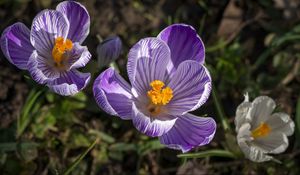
(109, 50)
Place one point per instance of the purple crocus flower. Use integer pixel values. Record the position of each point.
(168, 80)
(51, 51)
(109, 50)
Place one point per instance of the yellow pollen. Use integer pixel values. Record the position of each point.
(60, 48)
(261, 131)
(159, 95)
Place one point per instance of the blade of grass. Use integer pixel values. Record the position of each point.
(14, 146)
(77, 161)
(262, 58)
(220, 110)
(291, 36)
(103, 136)
(209, 153)
(221, 44)
(29, 105)
(149, 146)
(144, 149)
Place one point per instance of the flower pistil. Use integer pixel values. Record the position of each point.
(61, 46)
(262, 130)
(159, 95)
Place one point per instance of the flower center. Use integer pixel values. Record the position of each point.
(159, 95)
(61, 46)
(261, 131)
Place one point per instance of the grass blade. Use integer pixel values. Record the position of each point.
(209, 153)
(14, 146)
(220, 110)
(29, 105)
(77, 161)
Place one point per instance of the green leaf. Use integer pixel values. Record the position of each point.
(209, 153)
(103, 136)
(77, 161)
(292, 36)
(220, 110)
(14, 146)
(231, 144)
(30, 107)
(43, 123)
(117, 155)
(79, 139)
(151, 145)
(123, 147)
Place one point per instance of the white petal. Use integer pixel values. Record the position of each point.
(246, 95)
(273, 143)
(250, 151)
(281, 122)
(257, 155)
(244, 133)
(241, 113)
(262, 108)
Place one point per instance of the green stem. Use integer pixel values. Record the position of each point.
(216, 47)
(220, 110)
(74, 164)
(26, 113)
(115, 66)
(209, 153)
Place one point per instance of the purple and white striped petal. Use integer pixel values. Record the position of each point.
(188, 132)
(69, 83)
(79, 56)
(147, 61)
(16, 46)
(184, 43)
(152, 127)
(40, 69)
(112, 94)
(79, 20)
(109, 50)
(46, 26)
(191, 85)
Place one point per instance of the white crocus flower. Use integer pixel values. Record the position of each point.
(260, 132)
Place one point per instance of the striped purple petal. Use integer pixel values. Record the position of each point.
(189, 132)
(46, 26)
(79, 20)
(191, 85)
(40, 69)
(79, 56)
(147, 61)
(112, 93)
(184, 43)
(152, 127)
(69, 83)
(16, 46)
(109, 50)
